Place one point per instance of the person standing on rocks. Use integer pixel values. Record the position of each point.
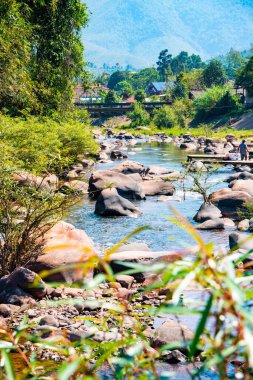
(243, 149)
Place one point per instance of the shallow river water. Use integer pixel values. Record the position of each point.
(163, 234)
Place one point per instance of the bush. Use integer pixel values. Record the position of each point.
(46, 144)
(140, 96)
(216, 101)
(26, 214)
(165, 117)
(139, 116)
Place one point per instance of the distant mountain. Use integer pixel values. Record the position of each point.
(135, 31)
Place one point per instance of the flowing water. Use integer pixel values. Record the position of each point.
(163, 234)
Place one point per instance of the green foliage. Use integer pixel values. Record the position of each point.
(46, 144)
(179, 90)
(115, 78)
(165, 117)
(111, 97)
(139, 116)
(245, 77)
(140, 96)
(233, 63)
(214, 74)
(124, 89)
(41, 55)
(143, 78)
(26, 214)
(216, 101)
(193, 80)
(246, 211)
(164, 64)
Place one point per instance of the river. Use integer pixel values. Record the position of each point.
(163, 234)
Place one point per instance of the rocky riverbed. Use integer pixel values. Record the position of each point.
(134, 181)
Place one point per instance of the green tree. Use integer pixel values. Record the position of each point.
(233, 62)
(143, 78)
(214, 74)
(124, 89)
(139, 116)
(140, 96)
(245, 77)
(179, 91)
(165, 117)
(115, 78)
(164, 64)
(111, 97)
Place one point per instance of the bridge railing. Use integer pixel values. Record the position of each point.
(122, 105)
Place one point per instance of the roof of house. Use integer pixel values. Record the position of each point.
(162, 86)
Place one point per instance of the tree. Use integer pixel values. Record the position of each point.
(124, 89)
(165, 117)
(139, 116)
(214, 74)
(233, 63)
(115, 78)
(179, 91)
(193, 79)
(245, 77)
(140, 96)
(143, 78)
(111, 97)
(164, 64)
(41, 54)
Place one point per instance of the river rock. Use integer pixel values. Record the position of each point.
(48, 320)
(129, 167)
(125, 281)
(212, 224)
(229, 202)
(117, 155)
(197, 166)
(171, 332)
(152, 171)
(174, 357)
(207, 211)
(242, 240)
(157, 187)
(119, 261)
(20, 287)
(243, 225)
(243, 185)
(27, 179)
(188, 146)
(78, 187)
(64, 245)
(5, 311)
(110, 203)
(125, 185)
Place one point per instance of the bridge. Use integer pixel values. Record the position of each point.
(119, 108)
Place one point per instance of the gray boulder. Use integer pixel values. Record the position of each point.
(126, 186)
(172, 332)
(212, 224)
(229, 202)
(110, 203)
(129, 167)
(207, 211)
(245, 185)
(157, 187)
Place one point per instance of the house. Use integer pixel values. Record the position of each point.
(92, 95)
(158, 88)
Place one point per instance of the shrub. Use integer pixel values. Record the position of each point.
(46, 144)
(139, 116)
(216, 101)
(140, 96)
(165, 117)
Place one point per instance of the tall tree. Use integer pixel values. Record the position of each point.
(245, 77)
(164, 64)
(214, 74)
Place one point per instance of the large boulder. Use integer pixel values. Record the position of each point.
(229, 202)
(241, 175)
(212, 224)
(119, 261)
(157, 171)
(31, 180)
(126, 186)
(157, 187)
(75, 186)
(241, 240)
(172, 332)
(117, 155)
(21, 286)
(129, 167)
(110, 203)
(64, 245)
(207, 211)
(243, 185)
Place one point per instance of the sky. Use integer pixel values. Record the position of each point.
(135, 31)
